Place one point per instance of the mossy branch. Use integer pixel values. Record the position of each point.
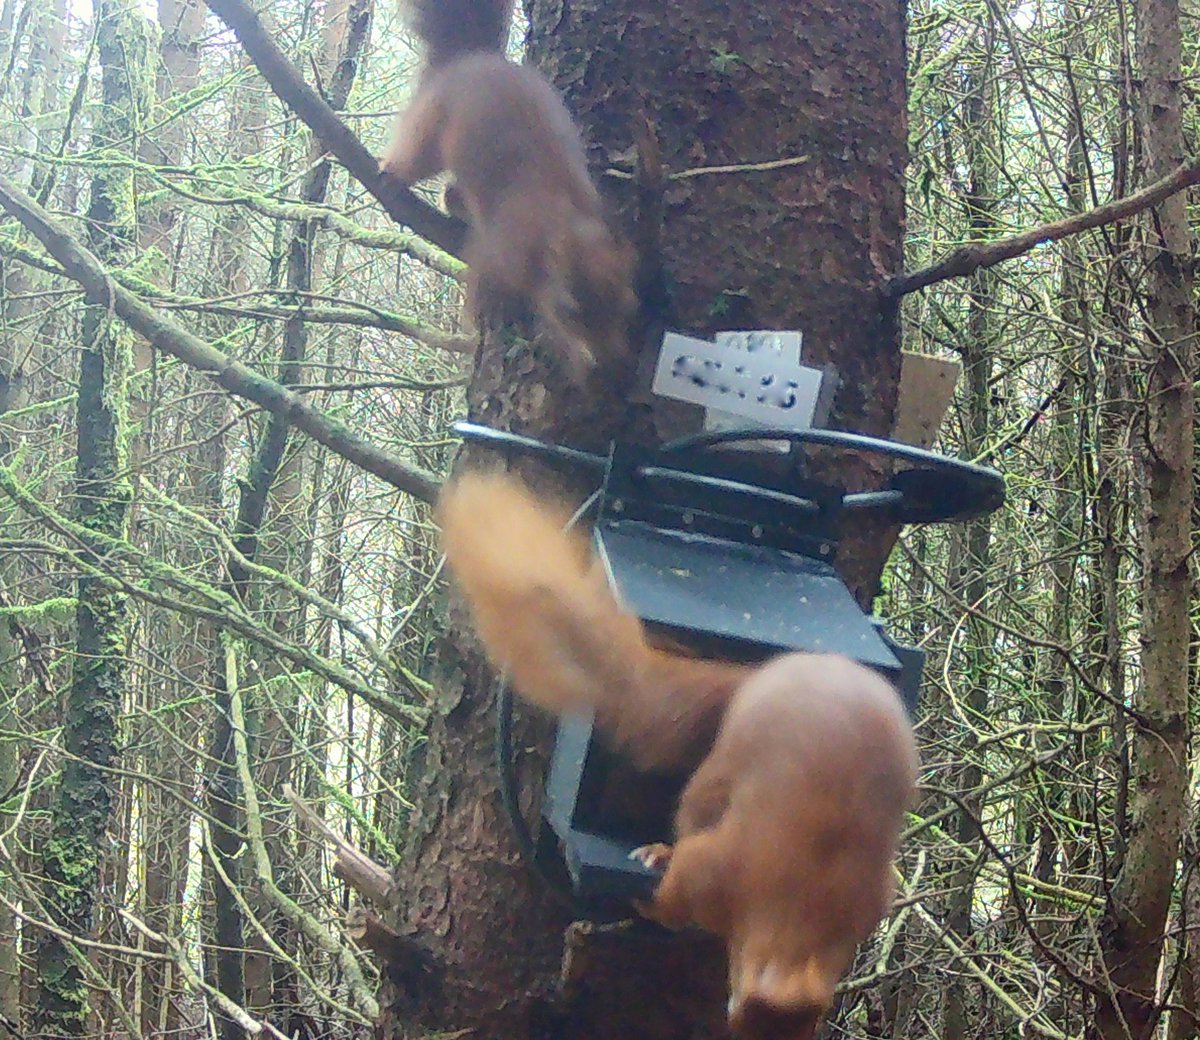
(171, 338)
(203, 599)
(360, 315)
(400, 203)
(319, 935)
(382, 660)
(195, 980)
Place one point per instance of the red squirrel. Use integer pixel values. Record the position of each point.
(538, 234)
(786, 832)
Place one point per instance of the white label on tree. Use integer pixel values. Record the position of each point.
(783, 345)
(761, 385)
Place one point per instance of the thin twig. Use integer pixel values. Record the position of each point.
(968, 259)
(708, 171)
(179, 957)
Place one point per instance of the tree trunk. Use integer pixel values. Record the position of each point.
(12, 396)
(182, 26)
(72, 857)
(800, 246)
(1132, 937)
(347, 35)
(221, 927)
(165, 827)
(19, 283)
(980, 203)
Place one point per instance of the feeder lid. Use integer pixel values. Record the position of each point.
(757, 595)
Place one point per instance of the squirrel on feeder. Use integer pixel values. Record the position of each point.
(786, 831)
(538, 234)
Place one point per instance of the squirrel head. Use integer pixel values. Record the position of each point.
(772, 1000)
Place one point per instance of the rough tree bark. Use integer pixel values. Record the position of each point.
(1132, 936)
(165, 830)
(73, 855)
(1066, 463)
(799, 246)
(39, 97)
(13, 396)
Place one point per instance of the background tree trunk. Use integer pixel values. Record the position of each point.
(74, 854)
(251, 979)
(1132, 939)
(980, 202)
(12, 397)
(802, 246)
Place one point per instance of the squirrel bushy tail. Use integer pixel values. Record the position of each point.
(788, 823)
(544, 612)
(451, 28)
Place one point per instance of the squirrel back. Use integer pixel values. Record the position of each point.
(452, 28)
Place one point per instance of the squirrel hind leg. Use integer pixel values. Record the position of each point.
(588, 298)
(489, 304)
(504, 283)
(573, 349)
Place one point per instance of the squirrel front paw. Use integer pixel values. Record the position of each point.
(656, 856)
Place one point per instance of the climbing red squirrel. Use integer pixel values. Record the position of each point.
(785, 833)
(538, 234)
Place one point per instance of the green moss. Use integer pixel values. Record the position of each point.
(57, 611)
(722, 61)
(149, 270)
(85, 795)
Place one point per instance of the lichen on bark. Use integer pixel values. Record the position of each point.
(73, 854)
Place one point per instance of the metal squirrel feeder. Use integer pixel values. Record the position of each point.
(730, 553)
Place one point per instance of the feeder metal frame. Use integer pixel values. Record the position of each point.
(718, 546)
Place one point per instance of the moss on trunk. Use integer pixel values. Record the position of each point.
(73, 855)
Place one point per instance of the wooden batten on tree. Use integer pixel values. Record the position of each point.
(926, 393)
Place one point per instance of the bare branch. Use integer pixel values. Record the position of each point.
(968, 259)
(82, 266)
(260, 858)
(240, 1015)
(369, 879)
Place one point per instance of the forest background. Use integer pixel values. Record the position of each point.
(205, 621)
